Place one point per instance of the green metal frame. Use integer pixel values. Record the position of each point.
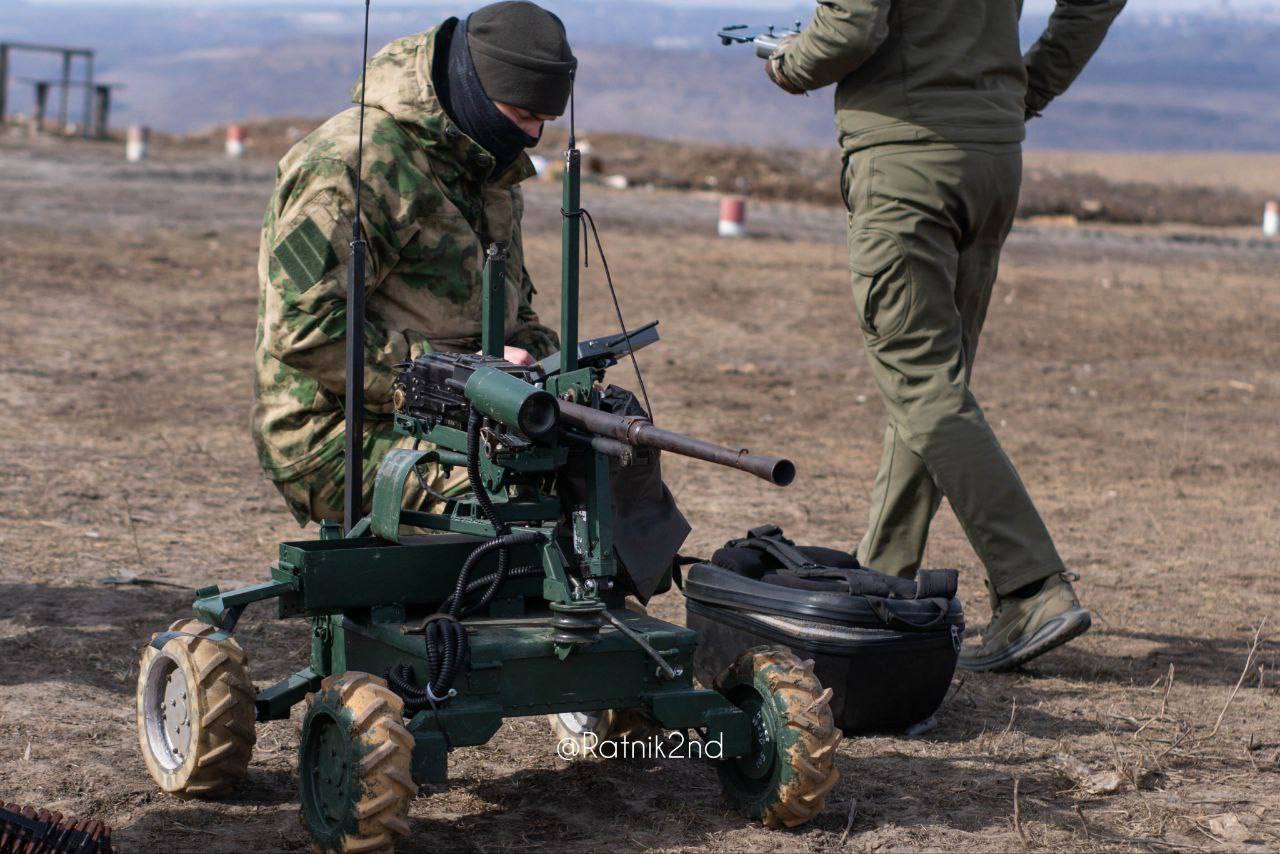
(362, 592)
(359, 593)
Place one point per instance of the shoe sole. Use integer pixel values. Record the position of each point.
(1053, 634)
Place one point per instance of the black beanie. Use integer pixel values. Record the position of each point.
(522, 55)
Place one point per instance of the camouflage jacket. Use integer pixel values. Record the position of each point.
(430, 205)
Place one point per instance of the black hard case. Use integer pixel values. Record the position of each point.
(888, 661)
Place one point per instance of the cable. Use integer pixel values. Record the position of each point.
(488, 581)
(585, 217)
(474, 422)
(444, 636)
(502, 544)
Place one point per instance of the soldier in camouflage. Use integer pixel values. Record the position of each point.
(931, 100)
(450, 113)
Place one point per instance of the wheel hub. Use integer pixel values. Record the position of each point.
(177, 718)
(758, 763)
(580, 723)
(166, 711)
(328, 772)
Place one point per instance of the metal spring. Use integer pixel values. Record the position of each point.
(577, 623)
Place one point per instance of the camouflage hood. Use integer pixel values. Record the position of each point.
(400, 83)
(430, 205)
(399, 80)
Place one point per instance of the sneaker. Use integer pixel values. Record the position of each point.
(1022, 629)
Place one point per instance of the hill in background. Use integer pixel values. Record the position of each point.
(1161, 81)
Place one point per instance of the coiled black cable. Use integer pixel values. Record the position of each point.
(447, 648)
(445, 638)
(502, 544)
(400, 678)
(489, 581)
(474, 423)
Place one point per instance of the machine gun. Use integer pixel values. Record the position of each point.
(430, 626)
(441, 390)
(765, 39)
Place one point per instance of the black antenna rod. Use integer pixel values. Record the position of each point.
(353, 489)
(570, 202)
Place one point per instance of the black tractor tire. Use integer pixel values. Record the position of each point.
(784, 780)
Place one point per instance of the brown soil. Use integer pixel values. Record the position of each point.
(1135, 380)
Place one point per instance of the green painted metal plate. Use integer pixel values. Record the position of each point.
(388, 490)
(344, 575)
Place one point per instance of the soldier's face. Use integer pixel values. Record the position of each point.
(529, 122)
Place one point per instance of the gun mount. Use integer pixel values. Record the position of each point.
(429, 625)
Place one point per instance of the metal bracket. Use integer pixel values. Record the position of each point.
(388, 490)
(224, 609)
(224, 632)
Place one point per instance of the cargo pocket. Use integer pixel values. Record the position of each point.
(882, 288)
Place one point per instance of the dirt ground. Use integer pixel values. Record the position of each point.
(1133, 376)
(1215, 189)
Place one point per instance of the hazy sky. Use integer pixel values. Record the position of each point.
(1134, 5)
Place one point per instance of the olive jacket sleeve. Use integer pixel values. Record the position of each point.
(842, 35)
(1075, 32)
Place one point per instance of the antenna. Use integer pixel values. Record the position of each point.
(570, 203)
(353, 489)
(571, 209)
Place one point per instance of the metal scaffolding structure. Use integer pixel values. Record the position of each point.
(97, 96)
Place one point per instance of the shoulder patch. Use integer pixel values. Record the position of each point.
(306, 254)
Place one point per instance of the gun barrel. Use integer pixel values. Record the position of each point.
(637, 431)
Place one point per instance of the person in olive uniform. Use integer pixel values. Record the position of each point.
(931, 102)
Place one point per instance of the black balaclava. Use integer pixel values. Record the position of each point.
(474, 111)
(522, 54)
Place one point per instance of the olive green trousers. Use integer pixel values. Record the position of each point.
(926, 225)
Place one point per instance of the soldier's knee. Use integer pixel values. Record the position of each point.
(954, 433)
(316, 497)
(297, 498)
